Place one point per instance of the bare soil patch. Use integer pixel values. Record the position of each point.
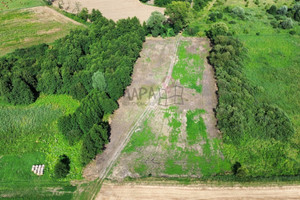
(161, 141)
(115, 10)
(143, 192)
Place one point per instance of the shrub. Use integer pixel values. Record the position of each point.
(246, 31)
(192, 30)
(297, 15)
(282, 10)
(272, 10)
(62, 168)
(287, 24)
(274, 24)
(239, 12)
(48, 2)
(217, 29)
(162, 2)
(170, 32)
(199, 4)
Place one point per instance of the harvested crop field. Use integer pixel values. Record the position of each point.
(143, 192)
(115, 10)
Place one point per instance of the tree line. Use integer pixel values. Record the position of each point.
(240, 115)
(93, 65)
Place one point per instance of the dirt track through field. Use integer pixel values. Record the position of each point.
(114, 9)
(147, 192)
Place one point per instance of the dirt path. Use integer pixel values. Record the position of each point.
(143, 192)
(115, 10)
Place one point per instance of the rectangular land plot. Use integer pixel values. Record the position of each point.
(179, 140)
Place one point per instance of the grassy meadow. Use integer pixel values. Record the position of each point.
(24, 28)
(272, 66)
(28, 136)
(18, 4)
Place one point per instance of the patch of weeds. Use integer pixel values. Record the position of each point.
(188, 69)
(195, 126)
(141, 168)
(172, 168)
(141, 138)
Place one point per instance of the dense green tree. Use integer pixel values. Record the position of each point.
(162, 2)
(62, 167)
(200, 4)
(83, 14)
(95, 15)
(21, 93)
(217, 29)
(155, 23)
(272, 10)
(93, 142)
(70, 128)
(178, 13)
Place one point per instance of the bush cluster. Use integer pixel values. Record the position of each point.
(285, 16)
(200, 4)
(158, 24)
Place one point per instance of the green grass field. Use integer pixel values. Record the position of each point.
(29, 136)
(22, 28)
(18, 4)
